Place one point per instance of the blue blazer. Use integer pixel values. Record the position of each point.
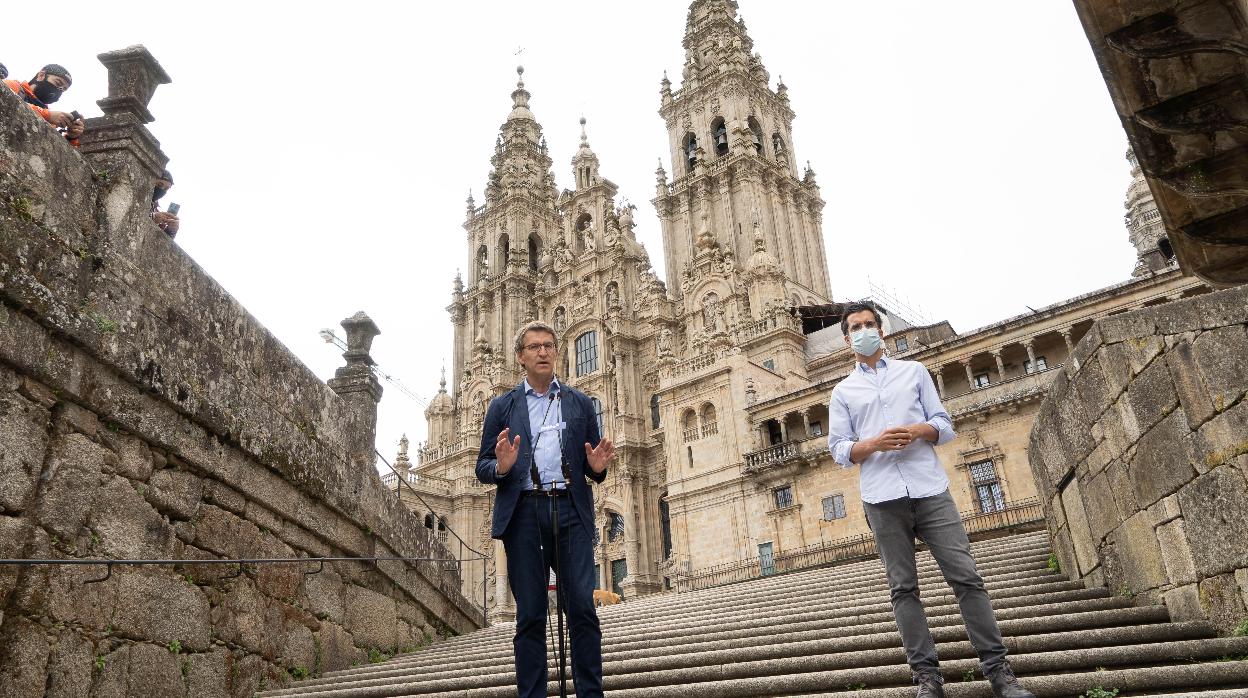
(511, 410)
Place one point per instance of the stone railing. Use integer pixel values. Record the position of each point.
(1010, 390)
(1139, 456)
(1016, 516)
(693, 365)
(710, 429)
(432, 454)
(690, 434)
(749, 330)
(756, 460)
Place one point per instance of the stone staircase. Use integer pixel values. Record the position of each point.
(830, 632)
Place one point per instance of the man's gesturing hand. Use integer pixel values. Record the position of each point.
(506, 451)
(893, 439)
(599, 457)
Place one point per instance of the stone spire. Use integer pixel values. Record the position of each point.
(585, 162)
(1145, 228)
(520, 162)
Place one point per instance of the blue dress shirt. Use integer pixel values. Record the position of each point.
(868, 402)
(546, 426)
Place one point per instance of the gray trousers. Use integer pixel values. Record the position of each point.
(935, 521)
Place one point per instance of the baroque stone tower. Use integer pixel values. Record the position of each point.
(1144, 225)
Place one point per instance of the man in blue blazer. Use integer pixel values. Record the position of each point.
(539, 444)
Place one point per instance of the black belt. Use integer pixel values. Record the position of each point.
(544, 493)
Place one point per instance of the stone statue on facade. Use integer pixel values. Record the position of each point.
(664, 344)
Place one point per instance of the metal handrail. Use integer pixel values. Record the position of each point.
(400, 478)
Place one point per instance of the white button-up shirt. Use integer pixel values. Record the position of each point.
(896, 393)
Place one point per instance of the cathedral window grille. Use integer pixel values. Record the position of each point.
(783, 496)
(1041, 365)
(691, 151)
(587, 353)
(834, 507)
(988, 494)
(982, 380)
(616, 531)
(597, 412)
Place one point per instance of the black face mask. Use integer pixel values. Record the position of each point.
(46, 92)
(157, 192)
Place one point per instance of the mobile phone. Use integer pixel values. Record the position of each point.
(173, 209)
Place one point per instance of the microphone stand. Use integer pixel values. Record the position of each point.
(553, 509)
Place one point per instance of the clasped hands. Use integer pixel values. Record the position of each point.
(507, 450)
(893, 439)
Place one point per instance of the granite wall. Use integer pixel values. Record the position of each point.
(144, 414)
(1141, 453)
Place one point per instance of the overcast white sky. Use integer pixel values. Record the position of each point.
(968, 152)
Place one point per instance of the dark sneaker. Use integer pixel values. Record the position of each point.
(930, 686)
(1004, 685)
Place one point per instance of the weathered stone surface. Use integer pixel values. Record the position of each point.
(251, 674)
(160, 606)
(70, 666)
(1175, 553)
(1241, 580)
(1163, 460)
(23, 443)
(111, 680)
(134, 458)
(126, 526)
(225, 534)
(35, 391)
(154, 671)
(371, 618)
(224, 496)
(1152, 395)
(241, 617)
(1080, 532)
(175, 492)
(24, 655)
(263, 517)
(323, 592)
(14, 534)
(74, 468)
(1189, 384)
(1222, 356)
(1221, 601)
(1215, 507)
(1223, 438)
(1103, 515)
(1120, 487)
(1139, 323)
(338, 650)
(208, 674)
(1136, 554)
(1184, 603)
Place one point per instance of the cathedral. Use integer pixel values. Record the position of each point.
(713, 381)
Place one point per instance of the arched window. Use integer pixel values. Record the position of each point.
(587, 353)
(710, 426)
(719, 136)
(691, 151)
(756, 135)
(654, 411)
(504, 252)
(689, 425)
(597, 412)
(615, 531)
(584, 222)
(483, 262)
(429, 520)
(535, 251)
(1166, 248)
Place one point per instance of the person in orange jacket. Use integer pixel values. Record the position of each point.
(45, 88)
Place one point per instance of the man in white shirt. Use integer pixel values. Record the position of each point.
(886, 417)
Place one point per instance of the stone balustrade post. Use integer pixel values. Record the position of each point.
(996, 354)
(970, 375)
(358, 387)
(1030, 346)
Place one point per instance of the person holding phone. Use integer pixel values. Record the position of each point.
(44, 89)
(165, 220)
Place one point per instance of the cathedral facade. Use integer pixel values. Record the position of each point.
(713, 382)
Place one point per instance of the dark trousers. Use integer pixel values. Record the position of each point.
(528, 569)
(935, 521)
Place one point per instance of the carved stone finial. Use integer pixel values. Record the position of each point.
(442, 383)
(133, 76)
(360, 333)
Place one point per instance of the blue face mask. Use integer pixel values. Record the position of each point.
(865, 341)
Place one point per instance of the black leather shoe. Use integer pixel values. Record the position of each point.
(1004, 685)
(930, 686)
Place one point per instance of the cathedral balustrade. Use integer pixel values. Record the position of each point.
(688, 366)
(1020, 388)
(764, 457)
(434, 453)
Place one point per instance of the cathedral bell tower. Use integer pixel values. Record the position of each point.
(735, 188)
(506, 239)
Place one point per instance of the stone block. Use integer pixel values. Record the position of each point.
(1189, 384)
(24, 654)
(301, 540)
(75, 467)
(1221, 601)
(1116, 366)
(1215, 507)
(262, 517)
(280, 581)
(1086, 348)
(1183, 603)
(1139, 352)
(161, 607)
(252, 674)
(37, 392)
(1152, 395)
(175, 492)
(71, 417)
(111, 680)
(208, 675)
(23, 445)
(154, 671)
(126, 526)
(69, 667)
(1138, 554)
(134, 458)
(323, 595)
(69, 599)
(298, 648)
(1094, 389)
(1222, 356)
(1132, 325)
(1241, 580)
(1077, 523)
(1228, 307)
(338, 650)
(1223, 438)
(241, 616)
(1103, 516)
(1163, 460)
(226, 534)
(371, 618)
(224, 496)
(1120, 488)
(1175, 553)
